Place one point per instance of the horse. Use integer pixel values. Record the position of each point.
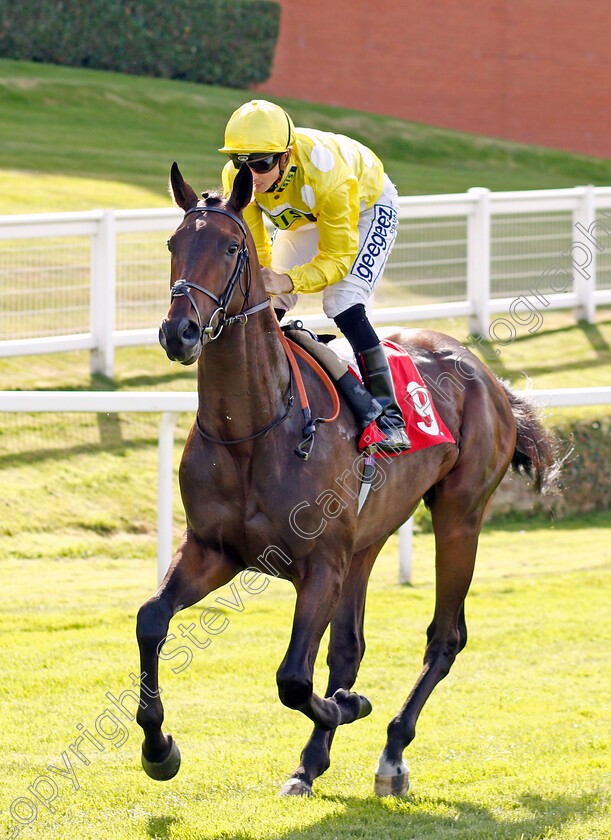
(250, 504)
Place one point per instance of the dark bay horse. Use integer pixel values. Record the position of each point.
(242, 487)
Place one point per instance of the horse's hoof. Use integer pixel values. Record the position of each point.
(354, 706)
(366, 706)
(296, 787)
(396, 784)
(164, 770)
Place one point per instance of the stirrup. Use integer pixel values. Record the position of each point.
(396, 440)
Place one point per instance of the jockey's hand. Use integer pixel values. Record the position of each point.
(276, 283)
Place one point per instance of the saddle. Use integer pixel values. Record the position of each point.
(423, 423)
(317, 347)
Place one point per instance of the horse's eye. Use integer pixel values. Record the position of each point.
(169, 244)
(233, 249)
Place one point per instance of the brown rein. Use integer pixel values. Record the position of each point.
(290, 348)
(304, 449)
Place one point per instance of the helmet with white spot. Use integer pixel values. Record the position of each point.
(259, 127)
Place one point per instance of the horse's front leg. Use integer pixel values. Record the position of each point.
(317, 596)
(195, 571)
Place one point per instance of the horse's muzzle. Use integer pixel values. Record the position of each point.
(181, 340)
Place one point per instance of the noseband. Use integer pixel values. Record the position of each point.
(219, 318)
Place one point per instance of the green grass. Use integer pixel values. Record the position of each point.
(513, 745)
(76, 139)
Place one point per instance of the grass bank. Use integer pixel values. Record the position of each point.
(79, 139)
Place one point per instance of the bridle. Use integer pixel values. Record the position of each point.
(219, 319)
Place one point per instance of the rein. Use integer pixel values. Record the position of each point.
(260, 433)
(304, 449)
(219, 319)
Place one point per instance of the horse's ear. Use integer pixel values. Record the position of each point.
(241, 193)
(182, 194)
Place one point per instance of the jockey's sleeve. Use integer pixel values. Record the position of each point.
(338, 216)
(253, 218)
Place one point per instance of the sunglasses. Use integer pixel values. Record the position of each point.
(260, 165)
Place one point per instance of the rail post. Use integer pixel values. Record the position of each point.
(478, 261)
(406, 535)
(103, 295)
(165, 486)
(584, 260)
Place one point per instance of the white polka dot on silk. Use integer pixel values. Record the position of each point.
(322, 158)
(307, 193)
(346, 152)
(367, 158)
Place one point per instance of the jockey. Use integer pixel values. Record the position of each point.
(335, 214)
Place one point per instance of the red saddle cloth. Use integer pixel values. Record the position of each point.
(423, 424)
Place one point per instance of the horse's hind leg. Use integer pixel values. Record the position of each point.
(318, 594)
(346, 649)
(194, 573)
(456, 545)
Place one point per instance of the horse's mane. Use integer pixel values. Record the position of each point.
(214, 198)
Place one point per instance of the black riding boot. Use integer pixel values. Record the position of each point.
(365, 408)
(375, 371)
(373, 364)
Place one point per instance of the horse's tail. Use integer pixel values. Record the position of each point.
(537, 451)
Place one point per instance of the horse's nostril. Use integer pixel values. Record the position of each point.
(188, 332)
(162, 338)
(179, 338)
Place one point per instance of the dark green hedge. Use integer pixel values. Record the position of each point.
(585, 477)
(222, 42)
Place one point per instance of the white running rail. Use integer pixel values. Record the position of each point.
(171, 403)
(100, 279)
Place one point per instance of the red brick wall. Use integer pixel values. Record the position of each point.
(537, 71)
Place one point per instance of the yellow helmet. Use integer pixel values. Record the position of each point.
(259, 127)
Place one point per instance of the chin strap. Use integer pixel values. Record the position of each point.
(276, 182)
